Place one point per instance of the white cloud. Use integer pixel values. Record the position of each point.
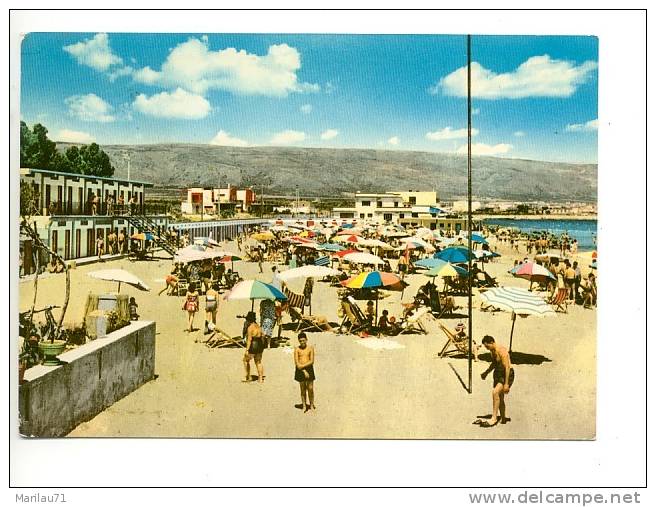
(89, 108)
(486, 149)
(447, 134)
(73, 136)
(393, 141)
(288, 137)
(590, 126)
(223, 138)
(519, 133)
(94, 53)
(177, 104)
(329, 134)
(306, 108)
(194, 67)
(539, 76)
(330, 88)
(120, 72)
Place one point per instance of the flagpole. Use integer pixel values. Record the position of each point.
(469, 210)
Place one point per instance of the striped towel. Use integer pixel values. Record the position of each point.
(293, 299)
(322, 261)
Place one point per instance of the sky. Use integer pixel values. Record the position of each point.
(533, 97)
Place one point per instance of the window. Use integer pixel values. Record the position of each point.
(361, 215)
(365, 203)
(379, 204)
(401, 215)
(369, 215)
(413, 200)
(387, 217)
(415, 215)
(396, 204)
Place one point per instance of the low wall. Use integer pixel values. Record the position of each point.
(55, 399)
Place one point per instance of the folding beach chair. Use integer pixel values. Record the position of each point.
(560, 300)
(453, 345)
(354, 323)
(305, 322)
(294, 300)
(412, 323)
(182, 286)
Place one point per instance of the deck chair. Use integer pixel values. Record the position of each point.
(560, 300)
(412, 323)
(294, 300)
(354, 323)
(305, 322)
(182, 286)
(452, 345)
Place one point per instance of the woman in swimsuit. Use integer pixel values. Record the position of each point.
(211, 306)
(254, 348)
(171, 281)
(191, 305)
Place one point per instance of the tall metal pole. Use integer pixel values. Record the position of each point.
(469, 207)
(128, 166)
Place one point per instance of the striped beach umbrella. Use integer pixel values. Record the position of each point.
(532, 272)
(517, 301)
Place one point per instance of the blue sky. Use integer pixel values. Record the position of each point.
(534, 97)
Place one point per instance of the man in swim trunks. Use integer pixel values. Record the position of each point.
(304, 374)
(254, 347)
(503, 379)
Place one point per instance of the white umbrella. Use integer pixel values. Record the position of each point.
(196, 253)
(363, 258)
(375, 243)
(120, 276)
(517, 301)
(309, 271)
(419, 242)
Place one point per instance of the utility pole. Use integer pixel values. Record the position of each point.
(296, 199)
(469, 207)
(128, 157)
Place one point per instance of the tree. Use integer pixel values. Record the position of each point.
(36, 149)
(93, 161)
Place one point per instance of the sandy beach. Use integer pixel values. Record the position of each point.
(401, 391)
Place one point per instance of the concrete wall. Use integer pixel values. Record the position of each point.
(55, 399)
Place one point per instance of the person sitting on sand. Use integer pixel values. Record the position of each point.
(254, 347)
(304, 372)
(369, 312)
(590, 292)
(502, 381)
(387, 325)
(460, 338)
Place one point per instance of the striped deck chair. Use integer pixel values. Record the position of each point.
(322, 261)
(352, 320)
(293, 299)
(560, 300)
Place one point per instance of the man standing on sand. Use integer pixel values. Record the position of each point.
(304, 375)
(503, 379)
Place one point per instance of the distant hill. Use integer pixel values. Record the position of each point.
(331, 172)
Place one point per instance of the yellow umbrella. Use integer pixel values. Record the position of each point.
(263, 236)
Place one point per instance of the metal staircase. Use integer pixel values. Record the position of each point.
(145, 224)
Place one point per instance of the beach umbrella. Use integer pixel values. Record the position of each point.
(372, 280)
(455, 254)
(517, 301)
(349, 238)
(143, 236)
(416, 242)
(231, 258)
(430, 263)
(194, 253)
(485, 254)
(477, 238)
(120, 276)
(205, 242)
(532, 272)
(375, 243)
(254, 289)
(263, 236)
(447, 269)
(344, 253)
(307, 234)
(363, 258)
(329, 247)
(309, 271)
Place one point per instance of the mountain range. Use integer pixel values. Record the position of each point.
(318, 172)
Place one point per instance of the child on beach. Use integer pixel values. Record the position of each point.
(133, 306)
(304, 374)
(191, 306)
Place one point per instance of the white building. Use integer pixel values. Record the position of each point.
(210, 201)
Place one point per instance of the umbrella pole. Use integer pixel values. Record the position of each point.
(376, 322)
(512, 330)
(119, 287)
(252, 304)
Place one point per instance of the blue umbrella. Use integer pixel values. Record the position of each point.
(331, 247)
(477, 238)
(456, 254)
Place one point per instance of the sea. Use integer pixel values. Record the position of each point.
(585, 231)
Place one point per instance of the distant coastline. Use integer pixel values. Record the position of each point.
(535, 217)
